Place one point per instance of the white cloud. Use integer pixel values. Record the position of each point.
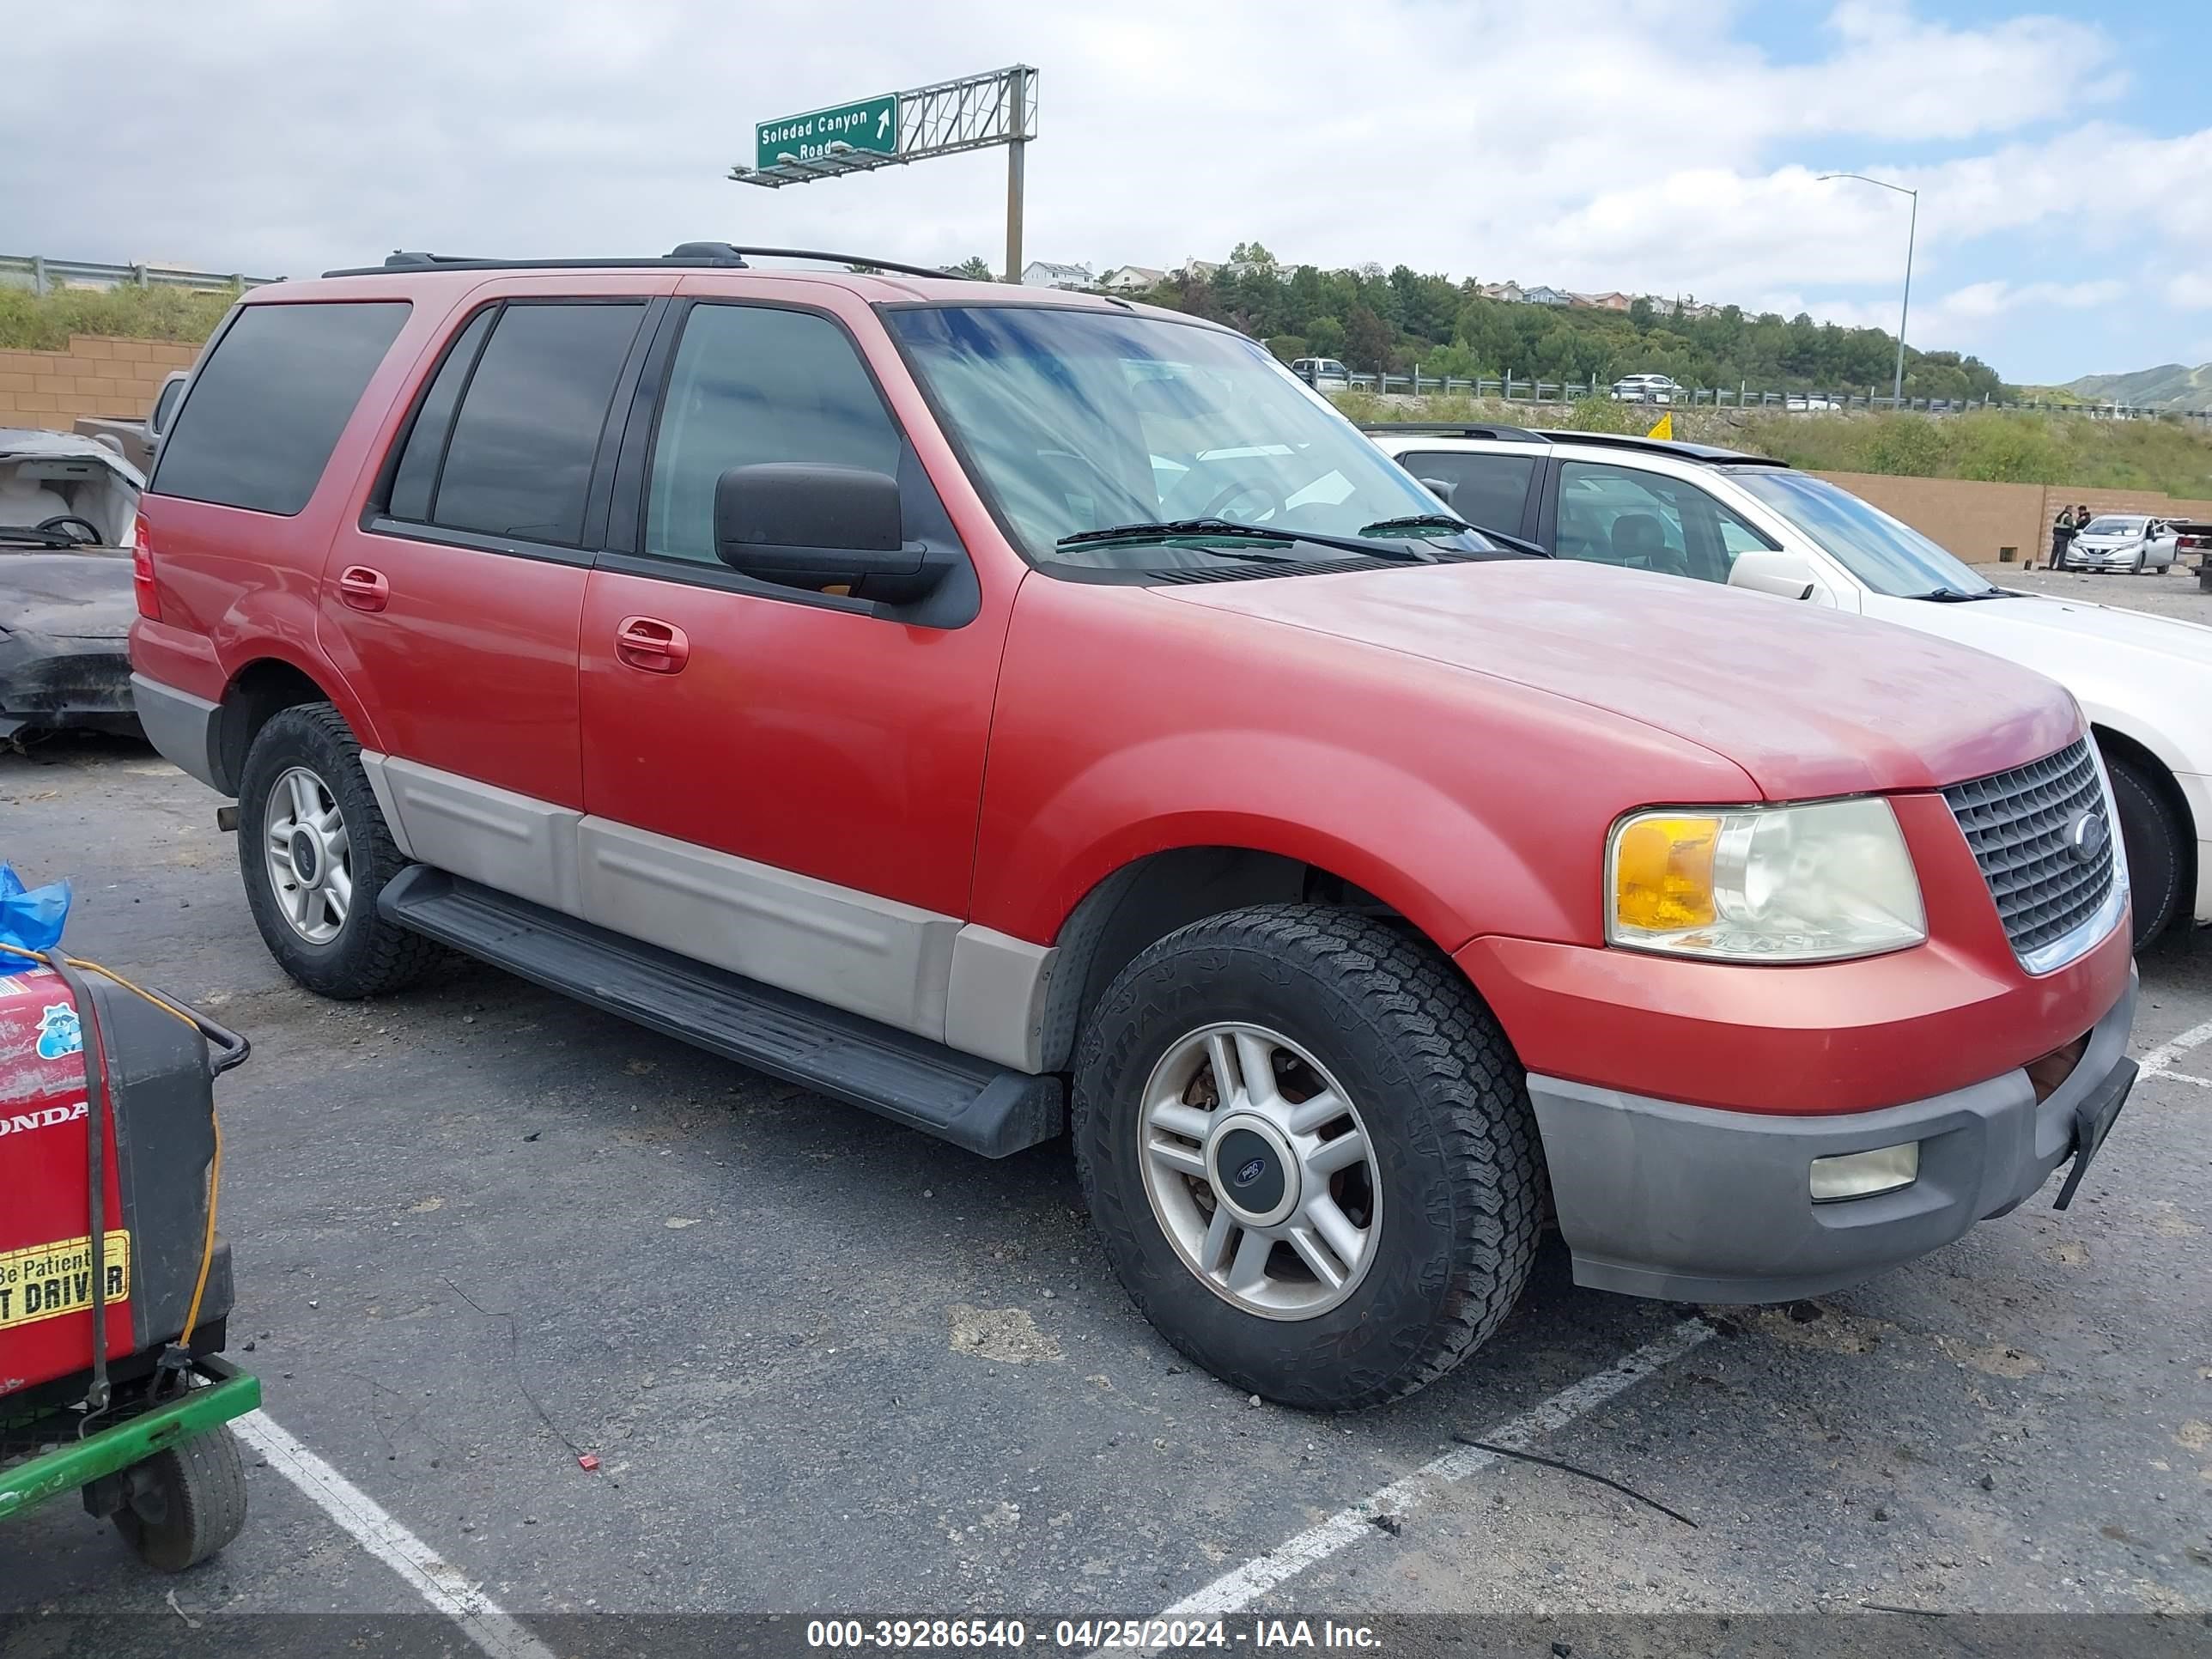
(2190, 291)
(1591, 143)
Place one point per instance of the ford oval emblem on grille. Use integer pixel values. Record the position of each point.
(1251, 1171)
(2085, 837)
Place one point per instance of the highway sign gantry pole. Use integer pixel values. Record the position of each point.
(892, 129)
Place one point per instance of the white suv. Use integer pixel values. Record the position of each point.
(1681, 509)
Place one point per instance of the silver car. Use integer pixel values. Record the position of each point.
(2133, 542)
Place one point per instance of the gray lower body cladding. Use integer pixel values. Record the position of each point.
(1692, 1204)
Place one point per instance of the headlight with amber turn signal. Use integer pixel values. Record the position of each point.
(1764, 883)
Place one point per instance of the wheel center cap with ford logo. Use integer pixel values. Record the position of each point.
(306, 858)
(1253, 1170)
(2086, 837)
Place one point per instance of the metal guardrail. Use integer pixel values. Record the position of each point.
(42, 275)
(1511, 389)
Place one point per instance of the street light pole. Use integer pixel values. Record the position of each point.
(1912, 235)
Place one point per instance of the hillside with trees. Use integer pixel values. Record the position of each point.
(1397, 319)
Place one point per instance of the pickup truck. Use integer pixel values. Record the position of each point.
(1028, 715)
(136, 440)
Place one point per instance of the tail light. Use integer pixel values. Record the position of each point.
(142, 574)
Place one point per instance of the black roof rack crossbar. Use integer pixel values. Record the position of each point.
(725, 256)
(1458, 430)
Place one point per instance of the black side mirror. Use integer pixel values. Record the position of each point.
(801, 524)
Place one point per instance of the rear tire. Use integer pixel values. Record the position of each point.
(195, 1505)
(308, 819)
(1453, 1176)
(2150, 830)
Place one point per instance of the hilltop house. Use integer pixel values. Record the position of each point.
(1508, 292)
(1042, 273)
(1132, 279)
(1546, 297)
(1615, 301)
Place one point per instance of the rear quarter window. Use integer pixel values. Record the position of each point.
(267, 406)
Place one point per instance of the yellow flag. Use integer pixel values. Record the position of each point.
(1664, 427)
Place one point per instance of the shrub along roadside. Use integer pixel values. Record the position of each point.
(44, 322)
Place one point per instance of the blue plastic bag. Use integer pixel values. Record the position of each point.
(30, 918)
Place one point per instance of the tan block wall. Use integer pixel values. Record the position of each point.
(96, 376)
(1977, 521)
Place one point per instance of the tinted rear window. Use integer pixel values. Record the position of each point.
(1488, 491)
(267, 406)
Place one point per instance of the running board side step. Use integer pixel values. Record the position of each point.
(909, 1079)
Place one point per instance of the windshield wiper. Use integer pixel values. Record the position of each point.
(1173, 530)
(27, 535)
(1954, 596)
(1445, 522)
(1229, 529)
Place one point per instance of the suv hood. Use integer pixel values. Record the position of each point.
(2158, 666)
(1809, 703)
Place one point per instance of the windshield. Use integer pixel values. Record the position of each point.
(2113, 527)
(1080, 421)
(1889, 556)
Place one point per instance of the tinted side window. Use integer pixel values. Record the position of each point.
(750, 384)
(519, 460)
(1490, 490)
(1615, 515)
(417, 474)
(267, 406)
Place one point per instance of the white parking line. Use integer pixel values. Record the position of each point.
(1242, 1586)
(2158, 1062)
(443, 1585)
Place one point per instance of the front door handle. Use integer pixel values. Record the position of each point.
(655, 647)
(363, 589)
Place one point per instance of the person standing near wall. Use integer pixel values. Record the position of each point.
(2062, 536)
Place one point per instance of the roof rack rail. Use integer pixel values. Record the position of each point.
(725, 256)
(1677, 447)
(1457, 429)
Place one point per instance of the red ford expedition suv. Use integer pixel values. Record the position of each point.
(1014, 711)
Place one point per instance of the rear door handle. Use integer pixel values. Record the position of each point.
(655, 647)
(363, 589)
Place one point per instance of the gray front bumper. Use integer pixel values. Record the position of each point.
(1695, 1205)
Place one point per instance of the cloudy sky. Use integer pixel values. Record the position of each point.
(2063, 151)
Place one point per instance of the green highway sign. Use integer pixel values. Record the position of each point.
(869, 123)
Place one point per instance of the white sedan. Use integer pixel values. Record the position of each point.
(2123, 541)
(1645, 389)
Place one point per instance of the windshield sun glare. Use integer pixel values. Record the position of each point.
(1078, 420)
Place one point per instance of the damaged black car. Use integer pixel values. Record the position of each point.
(69, 512)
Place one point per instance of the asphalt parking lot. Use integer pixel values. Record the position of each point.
(830, 1366)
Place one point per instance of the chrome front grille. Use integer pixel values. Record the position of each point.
(2045, 842)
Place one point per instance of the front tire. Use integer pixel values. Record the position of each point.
(315, 853)
(1355, 1209)
(2150, 830)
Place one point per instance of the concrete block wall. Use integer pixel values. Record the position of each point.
(94, 376)
(1978, 521)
